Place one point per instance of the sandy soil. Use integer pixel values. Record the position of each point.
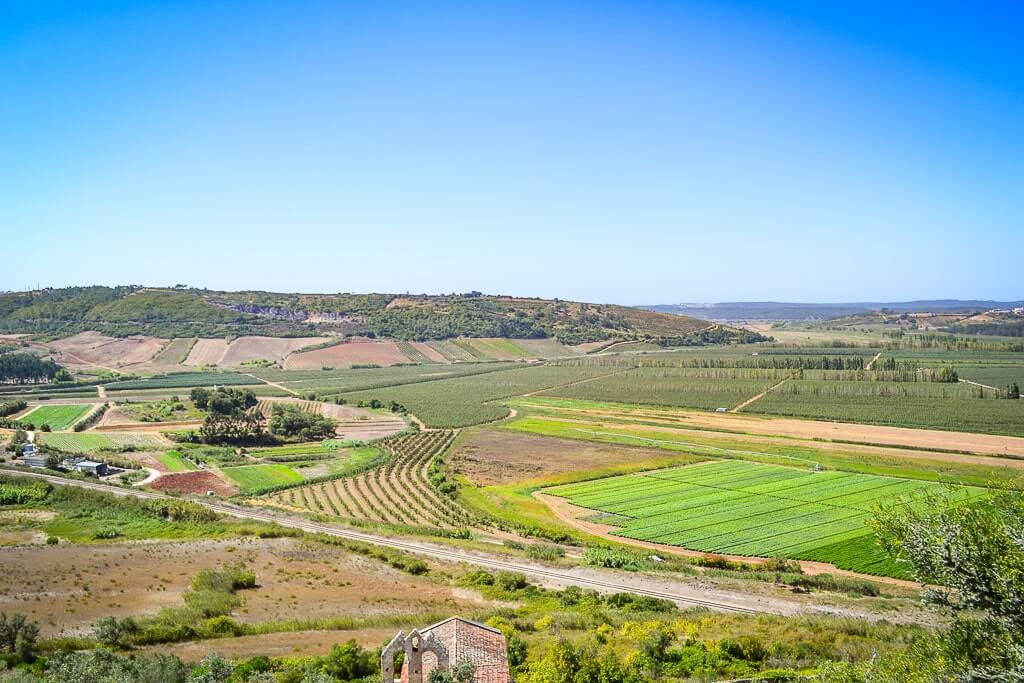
(265, 348)
(429, 351)
(297, 579)
(987, 444)
(195, 482)
(206, 352)
(350, 353)
(93, 348)
(501, 457)
(572, 514)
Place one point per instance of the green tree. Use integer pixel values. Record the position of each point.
(115, 632)
(971, 555)
(18, 636)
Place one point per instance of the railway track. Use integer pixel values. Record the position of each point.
(435, 552)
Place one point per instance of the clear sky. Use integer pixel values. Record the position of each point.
(629, 152)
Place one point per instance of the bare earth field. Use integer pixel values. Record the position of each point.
(499, 457)
(194, 482)
(360, 424)
(343, 355)
(265, 348)
(429, 351)
(93, 348)
(297, 579)
(207, 352)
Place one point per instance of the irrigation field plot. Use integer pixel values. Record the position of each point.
(743, 508)
(334, 381)
(256, 477)
(58, 417)
(90, 442)
(399, 491)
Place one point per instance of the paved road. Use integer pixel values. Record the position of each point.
(683, 594)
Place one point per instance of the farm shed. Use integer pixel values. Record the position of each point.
(96, 469)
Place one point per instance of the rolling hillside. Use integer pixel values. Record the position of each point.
(181, 312)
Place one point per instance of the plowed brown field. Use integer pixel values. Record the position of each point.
(207, 352)
(265, 348)
(347, 354)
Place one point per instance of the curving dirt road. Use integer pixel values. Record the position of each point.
(688, 593)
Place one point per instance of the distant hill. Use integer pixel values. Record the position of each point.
(179, 312)
(773, 310)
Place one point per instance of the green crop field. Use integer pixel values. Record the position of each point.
(997, 376)
(174, 462)
(683, 387)
(90, 442)
(251, 478)
(59, 417)
(743, 508)
(328, 382)
(954, 407)
(463, 401)
(183, 380)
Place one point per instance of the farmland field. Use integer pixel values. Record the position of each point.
(464, 400)
(683, 387)
(743, 508)
(58, 417)
(346, 354)
(256, 477)
(953, 407)
(90, 442)
(356, 379)
(174, 462)
(183, 380)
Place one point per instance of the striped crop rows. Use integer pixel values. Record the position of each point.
(745, 508)
(396, 492)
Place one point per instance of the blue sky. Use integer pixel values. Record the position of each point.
(633, 152)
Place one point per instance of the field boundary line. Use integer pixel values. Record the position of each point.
(273, 384)
(978, 384)
(573, 383)
(758, 397)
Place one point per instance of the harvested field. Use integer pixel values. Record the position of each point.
(429, 351)
(350, 353)
(546, 348)
(501, 457)
(359, 424)
(265, 348)
(451, 351)
(175, 353)
(93, 348)
(206, 352)
(194, 482)
(297, 579)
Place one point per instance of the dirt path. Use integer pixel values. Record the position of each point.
(273, 384)
(579, 381)
(759, 396)
(570, 514)
(685, 593)
(101, 391)
(978, 384)
(872, 361)
(150, 478)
